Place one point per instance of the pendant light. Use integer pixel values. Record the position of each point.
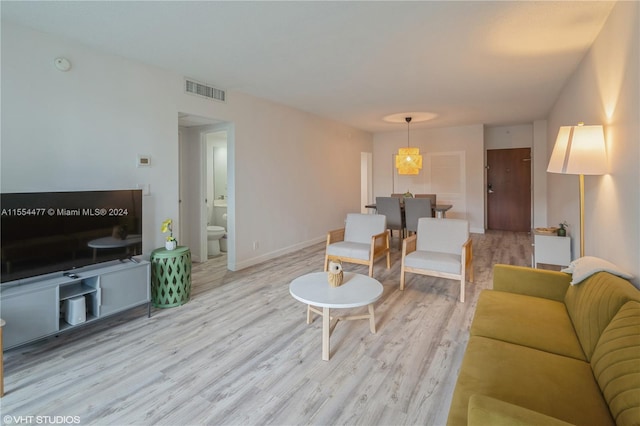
(408, 160)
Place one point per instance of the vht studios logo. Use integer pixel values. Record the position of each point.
(40, 420)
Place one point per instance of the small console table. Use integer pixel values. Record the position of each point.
(551, 250)
(170, 277)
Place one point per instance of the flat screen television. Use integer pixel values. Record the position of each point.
(45, 232)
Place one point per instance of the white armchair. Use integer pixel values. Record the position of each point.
(441, 248)
(363, 240)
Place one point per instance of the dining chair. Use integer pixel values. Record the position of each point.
(441, 248)
(363, 240)
(432, 197)
(390, 207)
(414, 209)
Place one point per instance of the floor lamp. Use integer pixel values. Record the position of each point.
(579, 150)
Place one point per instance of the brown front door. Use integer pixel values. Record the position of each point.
(509, 189)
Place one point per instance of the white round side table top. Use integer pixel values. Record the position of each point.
(356, 290)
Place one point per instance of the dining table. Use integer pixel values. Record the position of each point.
(439, 209)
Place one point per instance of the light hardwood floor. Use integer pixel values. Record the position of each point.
(240, 352)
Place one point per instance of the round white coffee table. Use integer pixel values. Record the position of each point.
(356, 290)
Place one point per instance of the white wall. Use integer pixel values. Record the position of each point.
(297, 176)
(192, 209)
(292, 175)
(507, 137)
(539, 167)
(604, 90)
(468, 139)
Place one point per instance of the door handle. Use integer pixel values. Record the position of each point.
(490, 189)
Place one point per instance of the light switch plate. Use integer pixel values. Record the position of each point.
(143, 160)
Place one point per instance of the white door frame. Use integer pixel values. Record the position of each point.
(189, 219)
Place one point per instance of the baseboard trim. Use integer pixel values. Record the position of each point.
(290, 249)
(277, 253)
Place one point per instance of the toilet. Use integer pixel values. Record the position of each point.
(214, 233)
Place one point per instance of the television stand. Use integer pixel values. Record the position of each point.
(35, 308)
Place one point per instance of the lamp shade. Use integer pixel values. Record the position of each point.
(579, 150)
(408, 161)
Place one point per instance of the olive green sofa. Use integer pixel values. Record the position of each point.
(544, 352)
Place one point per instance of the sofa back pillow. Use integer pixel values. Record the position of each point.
(594, 302)
(616, 364)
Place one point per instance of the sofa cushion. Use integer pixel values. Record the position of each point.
(484, 410)
(525, 320)
(554, 385)
(349, 249)
(593, 303)
(444, 262)
(616, 364)
(531, 282)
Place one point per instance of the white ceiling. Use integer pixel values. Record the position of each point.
(495, 63)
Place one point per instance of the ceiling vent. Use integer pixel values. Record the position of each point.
(200, 89)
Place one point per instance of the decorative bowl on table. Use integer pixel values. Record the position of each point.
(553, 230)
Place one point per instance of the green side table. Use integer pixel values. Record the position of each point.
(170, 277)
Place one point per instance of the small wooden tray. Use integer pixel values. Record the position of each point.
(551, 231)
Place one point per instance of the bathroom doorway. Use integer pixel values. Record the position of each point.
(204, 187)
(216, 192)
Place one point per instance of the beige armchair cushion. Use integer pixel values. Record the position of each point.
(363, 240)
(444, 262)
(441, 248)
(349, 249)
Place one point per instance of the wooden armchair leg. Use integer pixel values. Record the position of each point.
(470, 261)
